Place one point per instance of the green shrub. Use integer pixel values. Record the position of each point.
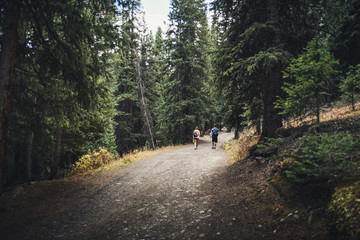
(344, 210)
(324, 156)
(271, 143)
(91, 161)
(350, 86)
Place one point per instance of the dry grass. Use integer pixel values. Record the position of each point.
(238, 149)
(339, 113)
(327, 114)
(133, 157)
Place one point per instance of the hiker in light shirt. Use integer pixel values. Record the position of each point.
(196, 134)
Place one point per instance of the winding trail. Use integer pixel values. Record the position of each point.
(155, 198)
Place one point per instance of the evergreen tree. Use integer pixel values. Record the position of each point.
(342, 21)
(59, 85)
(128, 132)
(155, 74)
(256, 41)
(10, 22)
(312, 72)
(135, 126)
(183, 104)
(350, 86)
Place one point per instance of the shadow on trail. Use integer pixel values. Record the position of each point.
(159, 197)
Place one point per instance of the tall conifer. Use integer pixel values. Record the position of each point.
(183, 94)
(256, 40)
(60, 85)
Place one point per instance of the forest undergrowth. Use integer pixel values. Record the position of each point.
(102, 160)
(316, 170)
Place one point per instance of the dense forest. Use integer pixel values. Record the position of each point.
(76, 76)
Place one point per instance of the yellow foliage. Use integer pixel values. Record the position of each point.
(287, 161)
(92, 161)
(344, 209)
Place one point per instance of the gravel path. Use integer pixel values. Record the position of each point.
(155, 198)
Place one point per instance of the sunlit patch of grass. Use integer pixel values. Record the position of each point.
(238, 149)
(103, 161)
(340, 112)
(325, 115)
(133, 157)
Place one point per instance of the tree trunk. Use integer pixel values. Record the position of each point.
(272, 87)
(26, 157)
(56, 154)
(7, 61)
(271, 118)
(146, 115)
(317, 108)
(38, 159)
(237, 128)
(9, 167)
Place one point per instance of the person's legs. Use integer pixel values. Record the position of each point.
(196, 143)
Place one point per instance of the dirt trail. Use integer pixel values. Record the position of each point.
(162, 197)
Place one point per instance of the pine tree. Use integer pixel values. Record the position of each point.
(312, 71)
(135, 125)
(183, 96)
(59, 85)
(154, 73)
(256, 40)
(7, 61)
(128, 132)
(350, 86)
(342, 21)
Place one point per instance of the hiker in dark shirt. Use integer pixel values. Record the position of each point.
(214, 135)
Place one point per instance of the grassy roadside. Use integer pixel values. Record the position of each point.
(134, 157)
(238, 149)
(101, 160)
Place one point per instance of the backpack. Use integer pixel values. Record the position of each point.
(195, 134)
(215, 131)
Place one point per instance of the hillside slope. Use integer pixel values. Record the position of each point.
(301, 185)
